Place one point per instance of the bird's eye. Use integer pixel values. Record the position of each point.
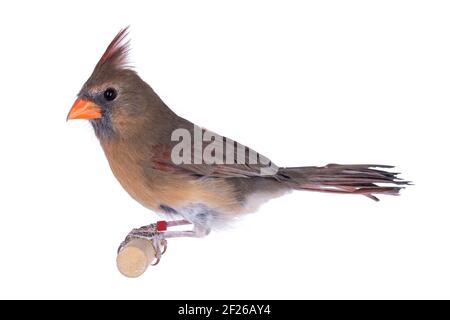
(110, 94)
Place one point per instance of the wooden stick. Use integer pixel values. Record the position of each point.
(135, 257)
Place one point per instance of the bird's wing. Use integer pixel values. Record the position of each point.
(220, 158)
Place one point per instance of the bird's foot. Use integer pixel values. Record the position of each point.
(156, 233)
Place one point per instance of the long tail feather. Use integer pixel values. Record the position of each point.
(354, 179)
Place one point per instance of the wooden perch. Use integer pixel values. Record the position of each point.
(134, 258)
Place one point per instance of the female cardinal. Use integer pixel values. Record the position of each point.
(217, 180)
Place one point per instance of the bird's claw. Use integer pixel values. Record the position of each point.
(150, 233)
(157, 244)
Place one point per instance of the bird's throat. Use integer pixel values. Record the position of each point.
(103, 127)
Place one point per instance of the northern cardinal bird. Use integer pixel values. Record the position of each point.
(136, 130)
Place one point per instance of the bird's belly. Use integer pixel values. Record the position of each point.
(203, 208)
(153, 189)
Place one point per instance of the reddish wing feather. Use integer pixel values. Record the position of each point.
(161, 160)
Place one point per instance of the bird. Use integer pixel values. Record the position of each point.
(188, 174)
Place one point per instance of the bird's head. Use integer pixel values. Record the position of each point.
(114, 98)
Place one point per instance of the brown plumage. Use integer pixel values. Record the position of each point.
(134, 127)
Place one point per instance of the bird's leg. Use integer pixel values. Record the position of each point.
(156, 233)
(197, 232)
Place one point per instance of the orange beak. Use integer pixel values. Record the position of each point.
(83, 109)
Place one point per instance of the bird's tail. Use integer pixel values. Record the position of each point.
(353, 179)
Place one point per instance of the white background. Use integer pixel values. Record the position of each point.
(304, 83)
